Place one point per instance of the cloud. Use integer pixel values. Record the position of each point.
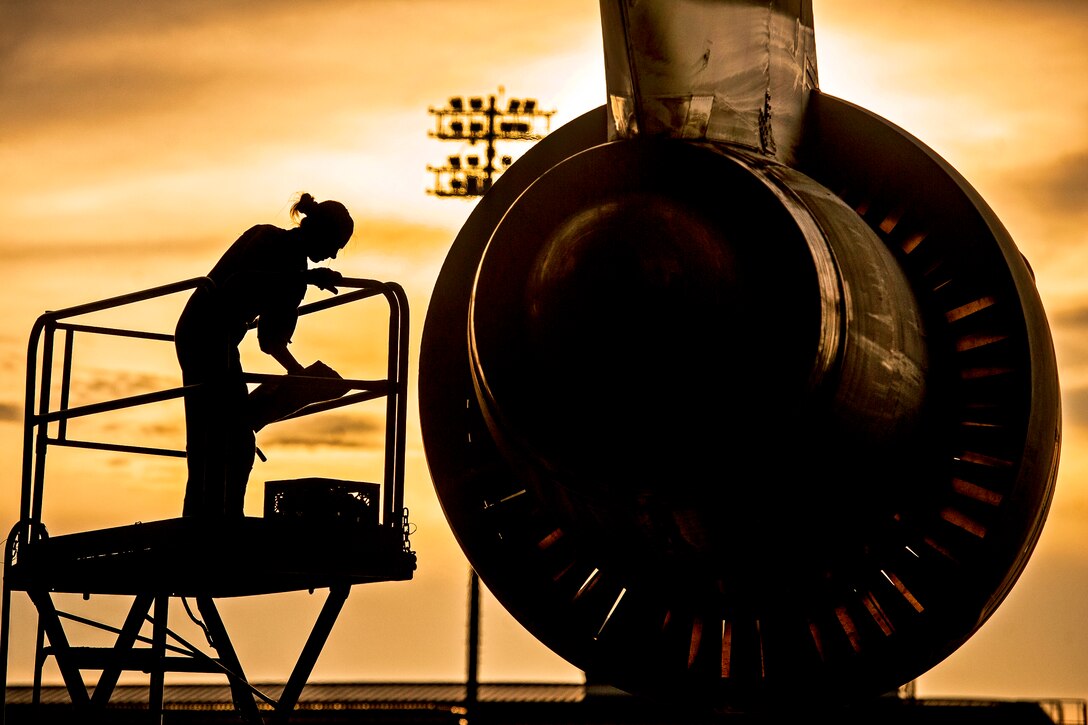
(101, 385)
(1073, 7)
(248, 69)
(1061, 187)
(1046, 206)
(342, 430)
(1022, 60)
(1075, 405)
(1076, 319)
(164, 429)
(171, 116)
(11, 413)
(1070, 330)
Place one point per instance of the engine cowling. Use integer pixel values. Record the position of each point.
(709, 430)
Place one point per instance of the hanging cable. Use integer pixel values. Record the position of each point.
(197, 622)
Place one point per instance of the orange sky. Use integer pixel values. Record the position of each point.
(140, 138)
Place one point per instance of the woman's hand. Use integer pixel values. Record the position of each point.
(324, 278)
(284, 357)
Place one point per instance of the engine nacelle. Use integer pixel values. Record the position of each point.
(715, 427)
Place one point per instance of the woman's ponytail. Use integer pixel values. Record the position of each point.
(303, 206)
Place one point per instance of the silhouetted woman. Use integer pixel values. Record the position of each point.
(262, 276)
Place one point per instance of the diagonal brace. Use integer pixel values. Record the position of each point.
(334, 602)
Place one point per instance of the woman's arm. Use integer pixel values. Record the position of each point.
(324, 278)
(276, 325)
(283, 356)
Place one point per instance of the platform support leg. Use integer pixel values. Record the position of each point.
(158, 657)
(334, 602)
(5, 623)
(50, 621)
(39, 662)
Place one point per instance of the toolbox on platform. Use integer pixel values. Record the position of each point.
(323, 500)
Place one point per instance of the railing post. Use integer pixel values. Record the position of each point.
(402, 400)
(41, 427)
(66, 381)
(391, 516)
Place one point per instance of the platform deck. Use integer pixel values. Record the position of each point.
(228, 558)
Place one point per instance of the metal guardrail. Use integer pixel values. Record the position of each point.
(40, 414)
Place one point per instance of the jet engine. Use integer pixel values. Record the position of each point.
(738, 395)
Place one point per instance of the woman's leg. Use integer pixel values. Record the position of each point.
(196, 448)
(240, 444)
(203, 354)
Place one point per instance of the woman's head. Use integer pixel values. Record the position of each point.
(327, 225)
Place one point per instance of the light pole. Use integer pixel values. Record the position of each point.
(478, 121)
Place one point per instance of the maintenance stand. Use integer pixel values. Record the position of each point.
(316, 533)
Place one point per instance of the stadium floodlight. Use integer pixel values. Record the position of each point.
(474, 119)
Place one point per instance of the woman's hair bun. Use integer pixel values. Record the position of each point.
(304, 205)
